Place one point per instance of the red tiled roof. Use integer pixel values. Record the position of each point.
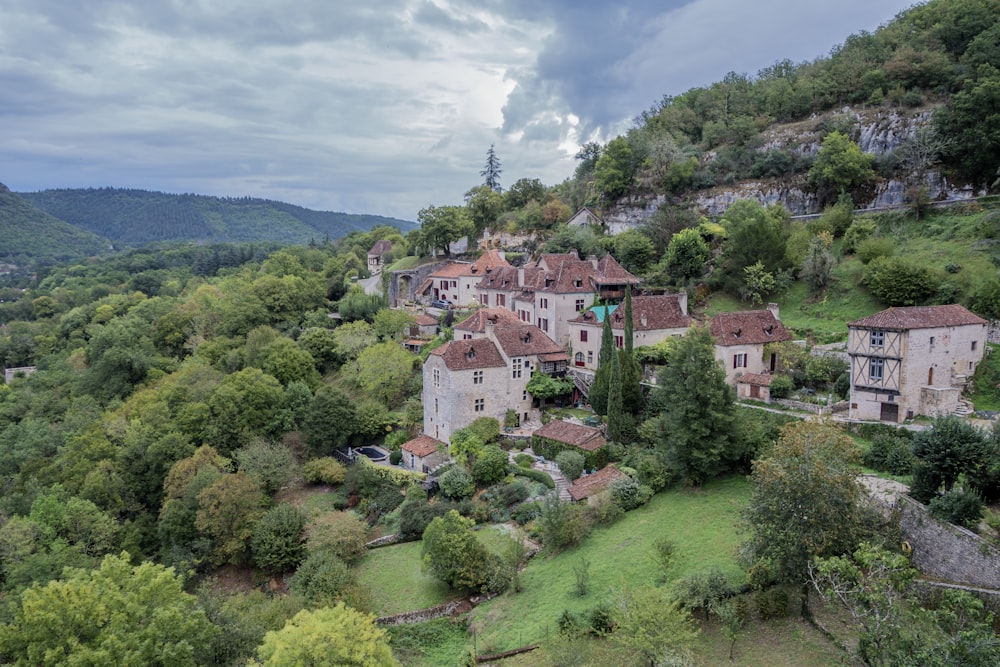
(425, 320)
(452, 270)
(503, 277)
(759, 379)
(488, 261)
(584, 437)
(461, 355)
(554, 356)
(919, 317)
(476, 322)
(521, 340)
(423, 445)
(649, 313)
(610, 272)
(381, 247)
(748, 327)
(588, 485)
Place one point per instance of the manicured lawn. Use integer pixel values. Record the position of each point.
(394, 576)
(702, 524)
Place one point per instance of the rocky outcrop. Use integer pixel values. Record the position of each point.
(877, 131)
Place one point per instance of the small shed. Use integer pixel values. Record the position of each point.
(419, 453)
(598, 482)
(756, 386)
(558, 435)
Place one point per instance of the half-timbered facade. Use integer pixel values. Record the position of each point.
(914, 360)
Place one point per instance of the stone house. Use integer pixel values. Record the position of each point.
(377, 256)
(654, 319)
(740, 338)
(550, 292)
(559, 435)
(585, 217)
(422, 453)
(456, 281)
(596, 483)
(424, 326)
(913, 360)
(485, 376)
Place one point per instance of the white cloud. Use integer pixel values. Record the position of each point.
(380, 109)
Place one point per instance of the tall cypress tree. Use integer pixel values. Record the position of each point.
(620, 424)
(599, 389)
(631, 372)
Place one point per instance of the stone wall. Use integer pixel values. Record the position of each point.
(429, 614)
(383, 541)
(945, 551)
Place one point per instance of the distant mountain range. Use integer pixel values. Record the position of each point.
(62, 224)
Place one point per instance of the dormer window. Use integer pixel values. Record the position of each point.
(527, 338)
(578, 283)
(769, 330)
(738, 333)
(471, 354)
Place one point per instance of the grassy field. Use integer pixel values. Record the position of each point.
(397, 582)
(702, 523)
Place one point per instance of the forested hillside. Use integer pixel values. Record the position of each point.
(130, 218)
(26, 231)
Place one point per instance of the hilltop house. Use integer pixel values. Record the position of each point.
(910, 361)
(486, 375)
(654, 319)
(740, 338)
(456, 281)
(554, 289)
(377, 256)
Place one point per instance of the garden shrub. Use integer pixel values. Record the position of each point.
(602, 619)
(535, 475)
(781, 386)
(526, 512)
(873, 248)
(570, 463)
(771, 603)
(416, 514)
(524, 460)
(860, 230)
(701, 590)
(322, 579)
(324, 470)
(340, 533)
(890, 453)
(629, 494)
(457, 484)
(563, 524)
(958, 506)
(490, 465)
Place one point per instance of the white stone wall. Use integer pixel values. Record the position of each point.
(755, 363)
(450, 405)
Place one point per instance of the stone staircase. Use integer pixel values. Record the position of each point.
(964, 408)
(582, 380)
(562, 484)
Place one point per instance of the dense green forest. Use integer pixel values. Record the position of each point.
(189, 397)
(131, 218)
(28, 232)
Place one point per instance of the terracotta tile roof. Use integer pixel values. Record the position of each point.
(584, 437)
(610, 272)
(452, 270)
(919, 317)
(476, 323)
(423, 445)
(649, 313)
(551, 260)
(748, 327)
(588, 485)
(381, 247)
(759, 379)
(425, 320)
(503, 277)
(488, 261)
(522, 340)
(554, 356)
(461, 355)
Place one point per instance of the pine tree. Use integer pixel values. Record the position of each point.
(598, 396)
(631, 372)
(491, 172)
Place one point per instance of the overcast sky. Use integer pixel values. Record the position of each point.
(377, 106)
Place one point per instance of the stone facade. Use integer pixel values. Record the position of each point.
(910, 361)
(740, 338)
(486, 375)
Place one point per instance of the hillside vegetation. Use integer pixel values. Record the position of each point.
(131, 218)
(29, 232)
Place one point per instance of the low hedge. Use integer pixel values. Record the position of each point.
(535, 475)
(397, 476)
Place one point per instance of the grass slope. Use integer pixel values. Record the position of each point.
(702, 523)
(397, 581)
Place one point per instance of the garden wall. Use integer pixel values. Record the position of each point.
(946, 551)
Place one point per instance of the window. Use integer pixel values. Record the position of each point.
(590, 357)
(437, 377)
(524, 316)
(501, 299)
(524, 395)
(480, 404)
(876, 369)
(477, 377)
(467, 336)
(932, 341)
(579, 305)
(543, 324)
(739, 361)
(877, 339)
(454, 283)
(516, 368)
(435, 406)
(973, 345)
(543, 303)
(484, 299)
(578, 359)
(619, 341)
(583, 335)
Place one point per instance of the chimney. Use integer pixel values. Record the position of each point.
(773, 307)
